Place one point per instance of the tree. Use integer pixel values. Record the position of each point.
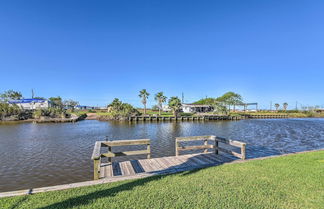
(230, 99)
(116, 105)
(56, 102)
(206, 101)
(160, 98)
(144, 95)
(285, 105)
(277, 106)
(39, 98)
(175, 105)
(71, 103)
(118, 109)
(10, 95)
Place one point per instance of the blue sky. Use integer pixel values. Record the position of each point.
(94, 51)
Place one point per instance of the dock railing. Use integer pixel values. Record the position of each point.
(97, 155)
(180, 147)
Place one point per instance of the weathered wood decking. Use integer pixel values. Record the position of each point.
(162, 165)
(230, 151)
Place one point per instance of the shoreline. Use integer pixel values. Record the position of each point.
(115, 179)
(98, 118)
(72, 119)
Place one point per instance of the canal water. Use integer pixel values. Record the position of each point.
(37, 155)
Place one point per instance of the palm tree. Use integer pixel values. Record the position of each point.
(144, 95)
(285, 105)
(277, 106)
(160, 98)
(175, 105)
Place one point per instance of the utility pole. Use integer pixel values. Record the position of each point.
(296, 105)
(182, 98)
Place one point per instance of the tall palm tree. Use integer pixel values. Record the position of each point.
(175, 105)
(160, 98)
(285, 105)
(144, 95)
(277, 106)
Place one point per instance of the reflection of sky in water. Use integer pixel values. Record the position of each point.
(33, 155)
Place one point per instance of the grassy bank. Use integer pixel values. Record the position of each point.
(294, 181)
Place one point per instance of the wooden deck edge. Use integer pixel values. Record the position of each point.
(121, 178)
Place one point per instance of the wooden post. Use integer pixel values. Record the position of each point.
(176, 147)
(109, 158)
(148, 151)
(243, 151)
(216, 146)
(205, 143)
(96, 169)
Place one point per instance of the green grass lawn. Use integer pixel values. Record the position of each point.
(295, 181)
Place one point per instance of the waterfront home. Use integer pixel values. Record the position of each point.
(166, 108)
(83, 107)
(193, 108)
(31, 104)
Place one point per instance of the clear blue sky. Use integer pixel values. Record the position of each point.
(94, 51)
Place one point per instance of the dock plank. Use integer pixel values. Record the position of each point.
(162, 165)
(137, 166)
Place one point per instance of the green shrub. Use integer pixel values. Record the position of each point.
(7, 110)
(50, 112)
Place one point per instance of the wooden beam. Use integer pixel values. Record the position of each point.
(126, 142)
(118, 154)
(192, 138)
(243, 152)
(230, 142)
(96, 151)
(229, 152)
(96, 169)
(182, 148)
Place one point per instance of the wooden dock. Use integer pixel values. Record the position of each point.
(163, 165)
(183, 118)
(204, 118)
(213, 154)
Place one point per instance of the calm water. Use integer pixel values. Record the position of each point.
(35, 155)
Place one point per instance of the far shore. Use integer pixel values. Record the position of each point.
(105, 116)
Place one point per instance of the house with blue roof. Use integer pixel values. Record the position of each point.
(31, 104)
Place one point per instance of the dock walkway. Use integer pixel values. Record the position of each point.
(215, 151)
(162, 165)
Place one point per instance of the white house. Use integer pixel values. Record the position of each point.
(31, 104)
(166, 108)
(192, 108)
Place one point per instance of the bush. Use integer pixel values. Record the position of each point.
(7, 110)
(50, 112)
(118, 109)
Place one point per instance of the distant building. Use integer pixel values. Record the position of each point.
(192, 108)
(83, 107)
(31, 104)
(319, 110)
(166, 108)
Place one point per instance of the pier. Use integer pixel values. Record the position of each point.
(205, 117)
(216, 151)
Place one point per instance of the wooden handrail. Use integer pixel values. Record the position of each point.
(97, 155)
(96, 151)
(192, 138)
(207, 146)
